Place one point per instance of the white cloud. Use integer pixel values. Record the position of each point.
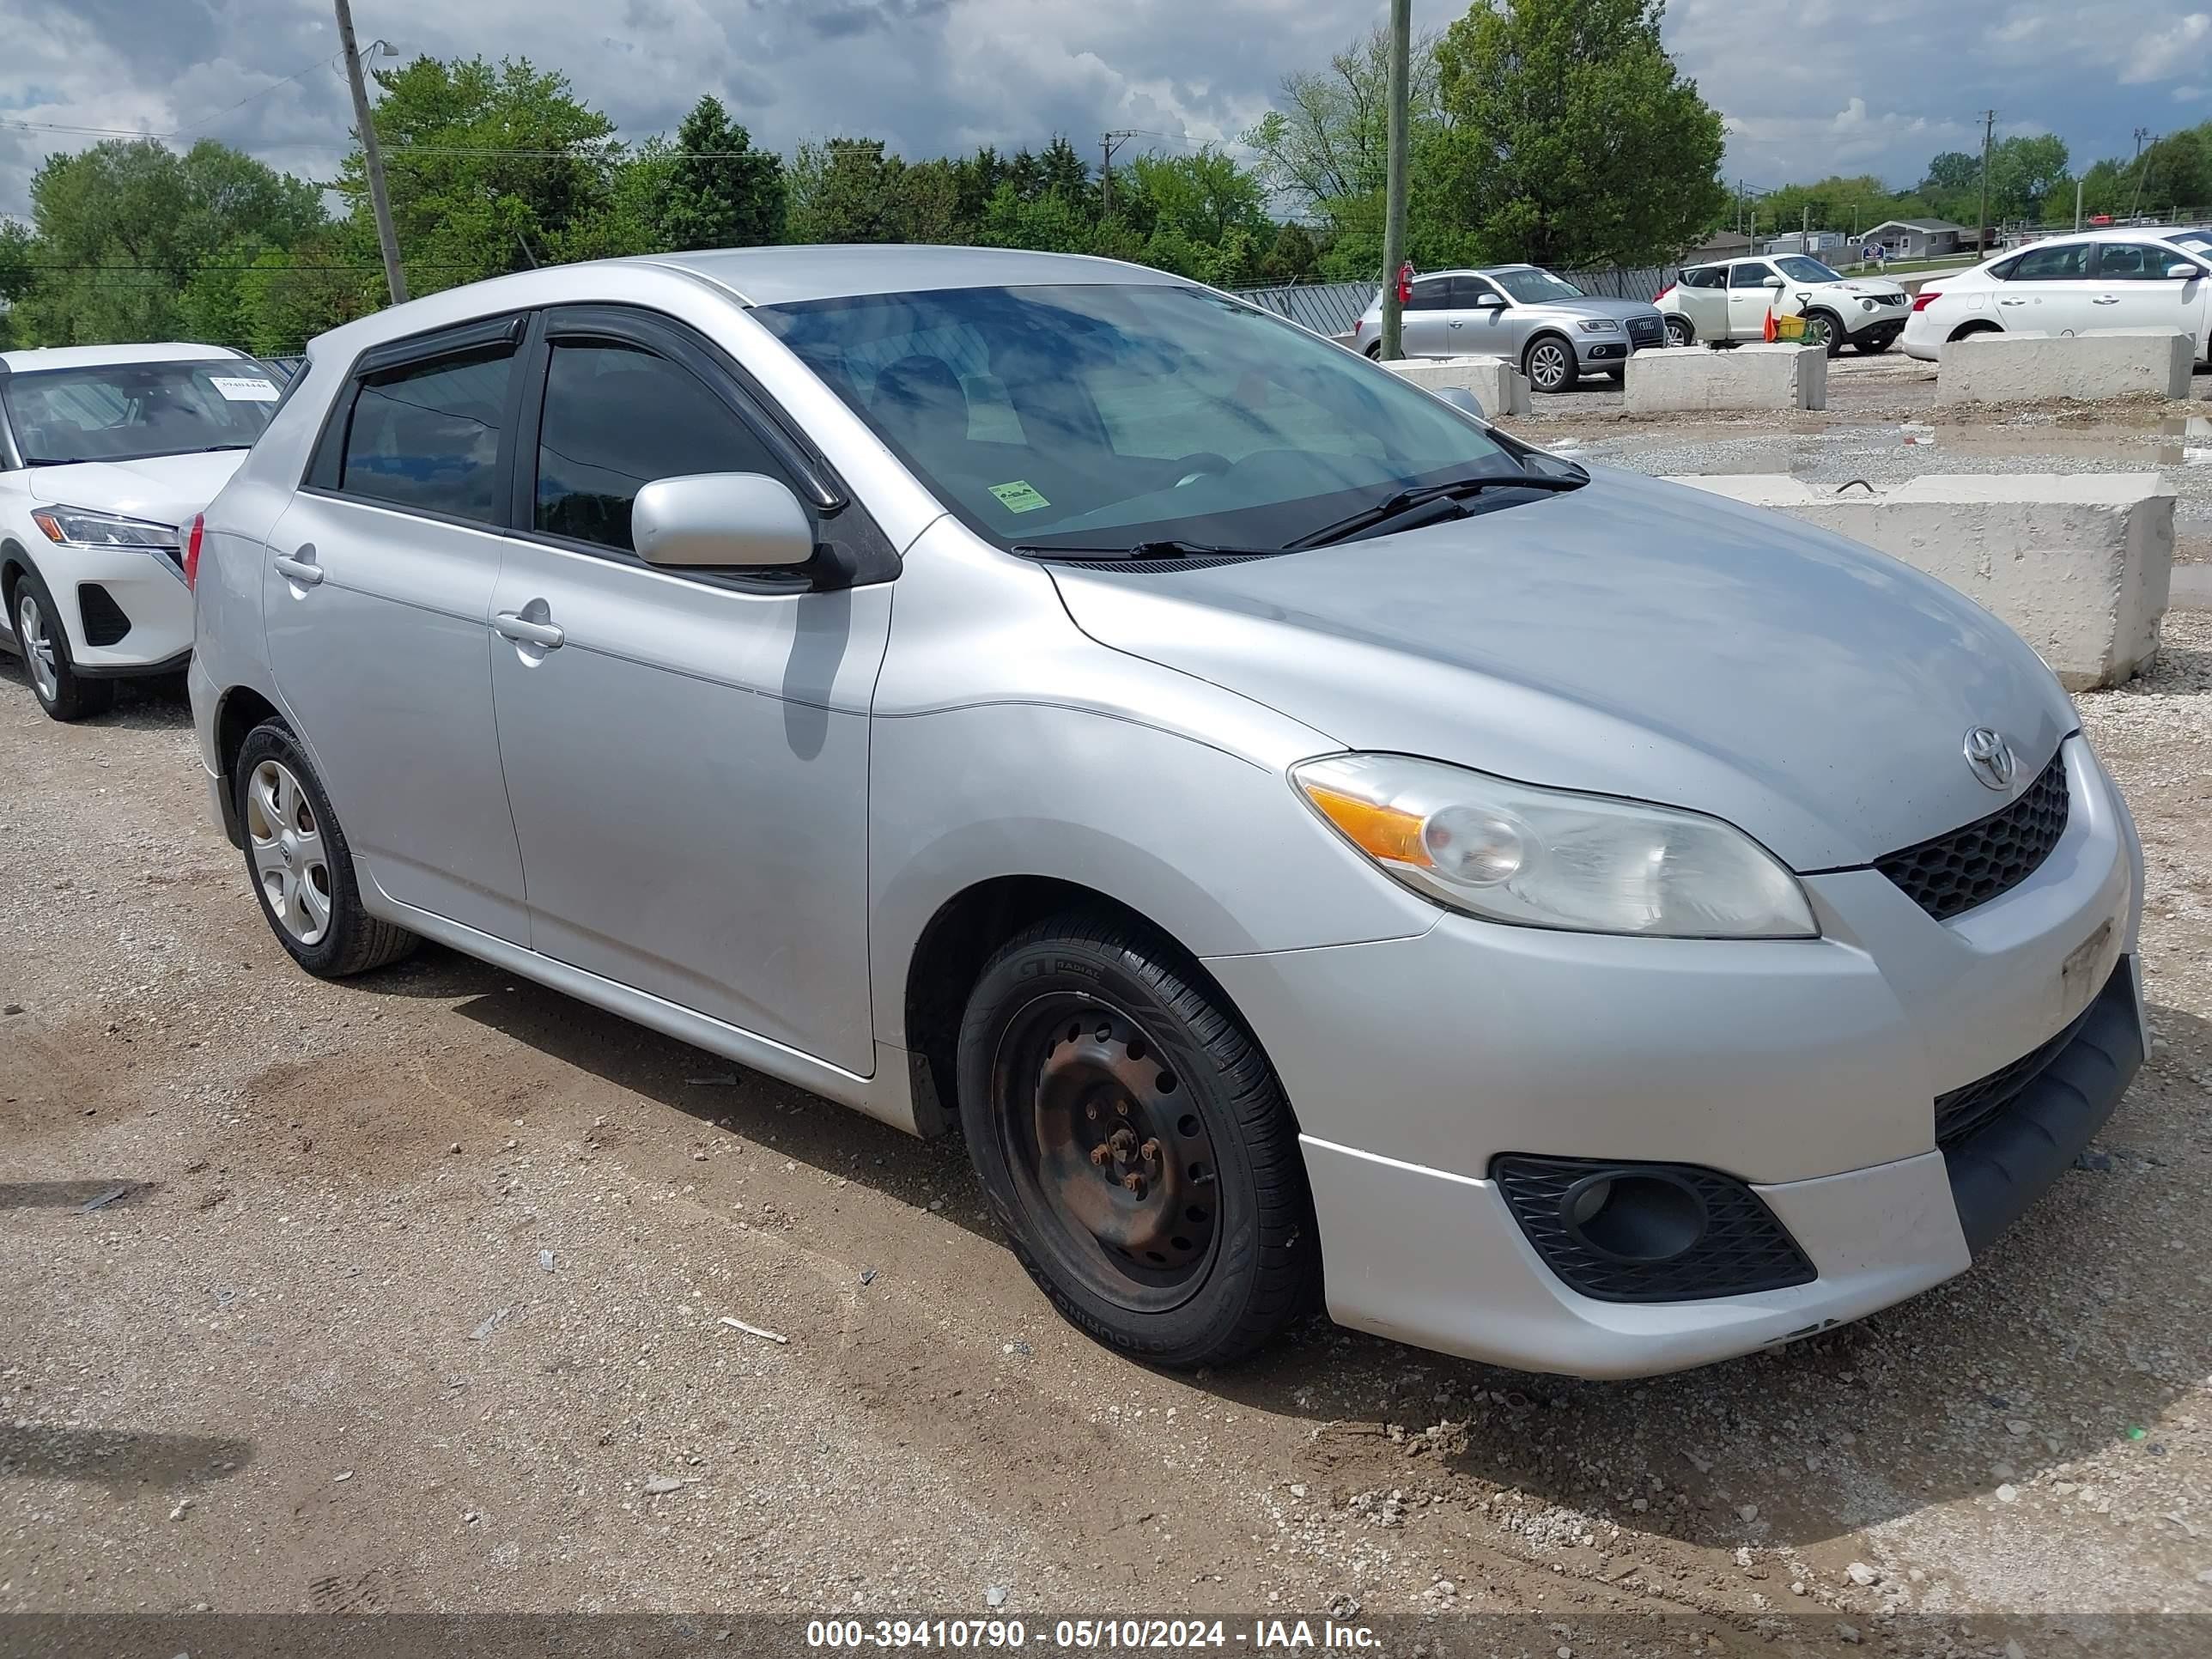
(2166, 52)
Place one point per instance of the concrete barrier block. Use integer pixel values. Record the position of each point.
(2079, 565)
(1501, 388)
(1990, 368)
(1750, 376)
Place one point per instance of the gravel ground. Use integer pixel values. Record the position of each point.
(413, 1299)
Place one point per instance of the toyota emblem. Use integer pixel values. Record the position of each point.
(1989, 756)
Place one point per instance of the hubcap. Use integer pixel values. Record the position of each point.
(287, 848)
(1548, 366)
(38, 647)
(1112, 1154)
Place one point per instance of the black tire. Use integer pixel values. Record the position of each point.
(352, 941)
(1873, 345)
(1833, 325)
(1375, 352)
(73, 696)
(1565, 377)
(1681, 331)
(1090, 1010)
(1617, 376)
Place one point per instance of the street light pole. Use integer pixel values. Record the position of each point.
(1394, 208)
(1982, 227)
(395, 274)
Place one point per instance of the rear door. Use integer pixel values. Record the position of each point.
(1428, 318)
(686, 750)
(2048, 290)
(2132, 290)
(375, 603)
(1703, 297)
(1749, 299)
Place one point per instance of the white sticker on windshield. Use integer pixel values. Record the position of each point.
(238, 390)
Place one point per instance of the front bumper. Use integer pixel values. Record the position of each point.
(1806, 1068)
(93, 588)
(1887, 320)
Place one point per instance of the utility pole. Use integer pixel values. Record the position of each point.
(395, 274)
(2143, 135)
(1982, 227)
(1805, 230)
(2077, 201)
(1108, 144)
(1394, 205)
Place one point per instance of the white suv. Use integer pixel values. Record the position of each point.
(1730, 301)
(2085, 282)
(104, 452)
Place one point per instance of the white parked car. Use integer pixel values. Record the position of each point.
(2089, 282)
(1729, 299)
(106, 452)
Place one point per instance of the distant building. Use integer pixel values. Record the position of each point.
(1805, 241)
(1721, 245)
(1919, 239)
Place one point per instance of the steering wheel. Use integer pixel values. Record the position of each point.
(1199, 463)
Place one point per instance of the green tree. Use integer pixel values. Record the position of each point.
(2024, 172)
(1574, 139)
(845, 190)
(491, 168)
(1206, 195)
(1951, 172)
(720, 191)
(1327, 140)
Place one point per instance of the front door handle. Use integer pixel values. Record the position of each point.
(546, 636)
(299, 570)
(2105, 299)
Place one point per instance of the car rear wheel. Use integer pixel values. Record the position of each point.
(1375, 352)
(1134, 1145)
(300, 865)
(1872, 346)
(1549, 363)
(62, 691)
(1679, 331)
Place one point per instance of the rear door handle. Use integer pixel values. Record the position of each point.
(299, 570)
(2105, 299)
(546, 636)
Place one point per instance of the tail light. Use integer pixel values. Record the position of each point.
(1357, 324)
(1921, 300)
(1662, 294)
(192, 549)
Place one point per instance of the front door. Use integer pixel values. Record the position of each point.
(686, 752)
(374, 600)
(1749, 298)
(2132, 290)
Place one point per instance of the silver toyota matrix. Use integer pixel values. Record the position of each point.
(1314, 848)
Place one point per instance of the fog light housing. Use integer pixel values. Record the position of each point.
(1635, 1216)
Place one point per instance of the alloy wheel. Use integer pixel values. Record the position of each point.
(1819, 331)
(38, 646)
(1114, 1160)
(1548, 365)
(290, 860)
(1678, 331)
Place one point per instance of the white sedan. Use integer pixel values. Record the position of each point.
(1730, 300)
(2083, 282)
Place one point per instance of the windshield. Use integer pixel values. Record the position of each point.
(1799, 268)
(1532, 287)
(2197, 242)
(127, 411)
(1103, 417)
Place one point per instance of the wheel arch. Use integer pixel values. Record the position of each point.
(1973, 326)
(14, 560)
(238, 711)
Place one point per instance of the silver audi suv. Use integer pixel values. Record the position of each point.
(1553, 331)
(1312, 845)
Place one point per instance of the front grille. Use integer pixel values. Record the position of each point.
(1646, 331)
(1953, 873)
(1743, 1247)
(1963, 1110)
(104, 623)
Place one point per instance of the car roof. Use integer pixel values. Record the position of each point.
(101, 356)
(782, 276)
(2109, 234)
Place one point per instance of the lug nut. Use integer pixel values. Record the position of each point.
(1102, 1155)
(1135, 1183)
(1150, 1151)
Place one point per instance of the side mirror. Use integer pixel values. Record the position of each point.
(1461, 399)
(1774, 281)
(709, 520)
(2183, 270)
(1488, 302)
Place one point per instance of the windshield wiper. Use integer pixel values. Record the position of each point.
(1420, 496)
(1154, 549)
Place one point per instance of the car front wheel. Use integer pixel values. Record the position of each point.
(1679, 331)
(1550, 364)
(1823, 330)
(1135, 1144)
(301, 865)
(63, 692)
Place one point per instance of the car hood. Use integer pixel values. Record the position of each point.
(1632, 638)
(1619, 310)
(165, 489)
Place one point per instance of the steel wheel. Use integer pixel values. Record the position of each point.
(1118, 1163)
(1677, 331)
(1548, 366)
(286, 846)
(38, 644)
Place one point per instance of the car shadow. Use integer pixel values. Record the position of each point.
(121, 1461)
(159, 704)
(2006, 1376)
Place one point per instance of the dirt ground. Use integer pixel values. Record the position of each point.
(412, 1300)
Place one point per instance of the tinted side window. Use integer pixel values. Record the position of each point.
(1434, 295)
(1705, 277)
(616, 417)
(2133, 262)
(1468, 292)
(2059, 262)
(426, 436)
(1752, 275)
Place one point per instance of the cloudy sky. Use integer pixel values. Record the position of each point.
(1863, 86)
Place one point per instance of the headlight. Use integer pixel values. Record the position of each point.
(1549, 858)
(1601, 325)
(75, 526)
